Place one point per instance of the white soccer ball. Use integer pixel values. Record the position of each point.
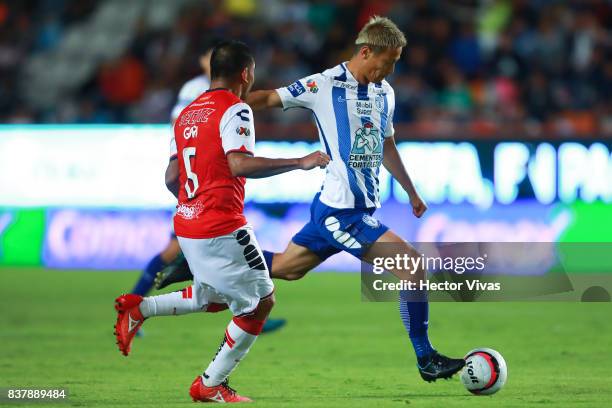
(485, 371)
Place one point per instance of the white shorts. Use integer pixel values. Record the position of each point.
(228, 269)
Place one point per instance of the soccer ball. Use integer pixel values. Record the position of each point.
(485, 371)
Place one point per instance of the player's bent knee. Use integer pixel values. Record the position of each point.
(264, 308)
(286, 275)
(289, 273)
(292, 276)
(268, 303)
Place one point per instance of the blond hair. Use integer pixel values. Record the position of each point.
(380, 33)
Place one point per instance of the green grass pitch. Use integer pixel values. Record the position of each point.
(336, 351)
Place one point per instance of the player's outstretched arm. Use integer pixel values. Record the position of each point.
(172, 177)
(245, 165)
(258, 100)
(393, 163)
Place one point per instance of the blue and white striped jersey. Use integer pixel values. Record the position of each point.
(353, 120)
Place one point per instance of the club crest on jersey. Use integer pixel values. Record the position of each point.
(312, 86)
(243, 131)
(189, 212)
(371, 221)
(379, 102)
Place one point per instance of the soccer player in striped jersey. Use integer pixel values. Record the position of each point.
(353, 107)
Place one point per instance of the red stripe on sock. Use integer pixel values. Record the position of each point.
(187, 292)
(249, 325)
(228, 339)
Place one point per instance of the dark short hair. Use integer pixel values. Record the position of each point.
(229, 59)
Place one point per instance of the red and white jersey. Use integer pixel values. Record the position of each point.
(211, 200)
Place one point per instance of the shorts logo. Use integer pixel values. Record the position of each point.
(312, 86)
(371, 221)
(251, 253)
(296, 89)
(243, 131)
(342, 237)
(190, 132)
(189, 212)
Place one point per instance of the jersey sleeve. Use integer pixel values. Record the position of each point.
(237, 129)
(302, 93)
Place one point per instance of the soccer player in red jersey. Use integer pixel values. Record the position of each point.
(215, 138)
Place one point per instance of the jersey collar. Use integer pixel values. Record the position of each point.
(351, 78)
(217, 89)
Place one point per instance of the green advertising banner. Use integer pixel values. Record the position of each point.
(21, 236)
(590, 223)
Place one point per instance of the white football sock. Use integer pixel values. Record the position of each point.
(174, 303)
(235, 346)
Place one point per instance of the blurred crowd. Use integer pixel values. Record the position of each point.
(482, 68)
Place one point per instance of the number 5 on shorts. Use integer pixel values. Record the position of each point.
(188, 153)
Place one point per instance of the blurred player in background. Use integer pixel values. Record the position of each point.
(215, 140)
(194, 87)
